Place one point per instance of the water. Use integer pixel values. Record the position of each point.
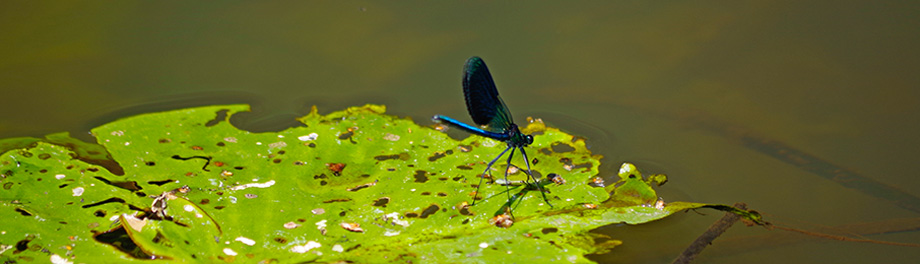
(672, 87)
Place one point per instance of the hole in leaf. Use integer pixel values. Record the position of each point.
(127, 185)
(120, 240)
(221, 116)
(207, 160)
(382, 201)
(110, 200)
(586, 166)
(400, 156)
(421, 176)
(561, 148)
(22, 245)
(23, 212)
(436, 156)
(161, 183)
(353, 248)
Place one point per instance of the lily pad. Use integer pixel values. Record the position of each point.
(355, 185)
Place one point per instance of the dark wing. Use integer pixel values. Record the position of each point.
(482, 100)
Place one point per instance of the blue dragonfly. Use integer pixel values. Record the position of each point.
(494, 119)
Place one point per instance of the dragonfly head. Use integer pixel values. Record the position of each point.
(517, 138)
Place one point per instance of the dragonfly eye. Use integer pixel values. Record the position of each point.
(529, 139)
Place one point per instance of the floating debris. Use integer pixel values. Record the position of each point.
(158, 207)
(306, 247)
(353, 227)
(394, 219)
(338, 248)
(279, 144)
(597, 182)
(309, 137)
(659, 204)
(391, 137)
(362, 186)
(336, 168)
(502, 220)
(135, 223)
(321, 226)
(256, 185)
(246, 240)
(556, 178)
(291, 225)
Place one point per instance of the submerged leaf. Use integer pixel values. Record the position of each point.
(355, 185)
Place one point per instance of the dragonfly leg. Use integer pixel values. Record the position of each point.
(489, 166)
(530, 173)
(507, 183)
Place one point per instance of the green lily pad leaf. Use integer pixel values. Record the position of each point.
(355, 185)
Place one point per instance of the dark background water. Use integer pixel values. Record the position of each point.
(674, 87)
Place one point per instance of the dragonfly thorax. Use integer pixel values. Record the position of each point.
(516, 138)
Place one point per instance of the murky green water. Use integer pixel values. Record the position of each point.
(680, 88)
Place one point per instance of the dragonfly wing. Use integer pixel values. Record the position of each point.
(482, 100)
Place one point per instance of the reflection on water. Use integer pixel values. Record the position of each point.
(671, 87)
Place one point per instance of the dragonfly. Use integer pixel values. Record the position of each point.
(492, 116)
